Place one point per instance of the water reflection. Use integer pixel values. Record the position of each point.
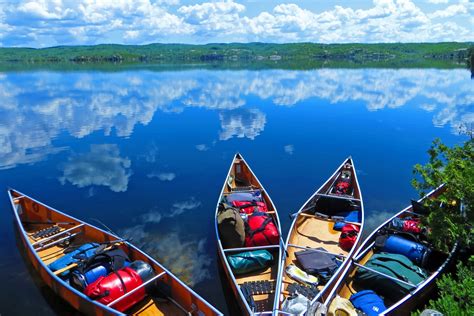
(40, 105)
(102, 165)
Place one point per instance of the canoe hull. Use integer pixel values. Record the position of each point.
(180, 295)
(416, 297)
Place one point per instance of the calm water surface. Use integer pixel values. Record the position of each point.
(146, 152)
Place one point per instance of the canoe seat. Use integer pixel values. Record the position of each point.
(258, 287)
(46, 232)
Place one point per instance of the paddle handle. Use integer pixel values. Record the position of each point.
(69, 267)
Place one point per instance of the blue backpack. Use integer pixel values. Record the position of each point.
(368, 302)
(83, 252)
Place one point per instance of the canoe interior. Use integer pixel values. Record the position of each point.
(174, 299)
(242, 179)
(349, 285)
(310, 230)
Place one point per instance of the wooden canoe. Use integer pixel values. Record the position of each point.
(32, 216)
(312, 228)
(240, 174)
(439, 261)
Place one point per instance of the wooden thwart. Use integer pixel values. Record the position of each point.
(252, 248)
(341, 197)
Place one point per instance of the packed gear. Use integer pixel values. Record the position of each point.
(295, 304)
(249, 261)
(260, 230)
(253, 196)
(318, 263)
(409, 225)
(416, 252)
(343, 184)
(392, 265)
(73, 255)
(348, 236)
(231, 226)
(310, 290)
(368, 302)
(109, 288)
(299, 275)
(341, 307)
(248, 207)
(98, 265)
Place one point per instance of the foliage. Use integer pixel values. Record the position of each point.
(455, 168)
(291, 55)
(456, 294)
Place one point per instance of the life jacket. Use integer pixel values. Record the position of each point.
(260, 230)
(249, 207)
(348, 236)
(107, 289)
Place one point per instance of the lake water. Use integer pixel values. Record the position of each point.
(146, 152)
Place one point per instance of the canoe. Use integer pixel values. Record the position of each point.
(436, 264)
(259, 286)
(34, 218)
(313, 229)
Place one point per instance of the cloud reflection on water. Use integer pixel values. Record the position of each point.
(40, 105)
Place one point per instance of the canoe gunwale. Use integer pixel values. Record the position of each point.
(222, 251)
(304, 208)
(368, 245)
(113, 237)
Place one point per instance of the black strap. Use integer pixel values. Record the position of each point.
(252, 232)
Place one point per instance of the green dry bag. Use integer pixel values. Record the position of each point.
(248, 261)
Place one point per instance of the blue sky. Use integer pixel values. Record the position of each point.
(43, 23)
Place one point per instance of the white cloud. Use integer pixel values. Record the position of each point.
(163, 176)
(178, 208)
(54, 22)
(242, 123)
(202, 147)
(101, 166)
(289, 149)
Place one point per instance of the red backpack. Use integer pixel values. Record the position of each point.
(250, 207)
(108, 289)
(348, 236)
(260, 230)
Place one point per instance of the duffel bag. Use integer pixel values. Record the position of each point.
(254, 196)
(318, 263)
(408, 225)
(249, 207)
(368, 302)
(107, 289)
(98, 265)
(231, 226)
(73, 255)
(348, 236)
(249, 261)
(394, 265)
(260, 230)
(416, 252)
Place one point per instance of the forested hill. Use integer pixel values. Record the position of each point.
(299, 55)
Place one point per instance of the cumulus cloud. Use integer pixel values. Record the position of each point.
(242, 123)
(32, 115)
(52, 22)
(183, 255)
(101, 166)
(178, 208)
(289, 149)
(163, 176)
(202, 147)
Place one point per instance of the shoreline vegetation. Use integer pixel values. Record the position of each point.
(246, 55)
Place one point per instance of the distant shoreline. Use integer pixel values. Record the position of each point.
(249, 55)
